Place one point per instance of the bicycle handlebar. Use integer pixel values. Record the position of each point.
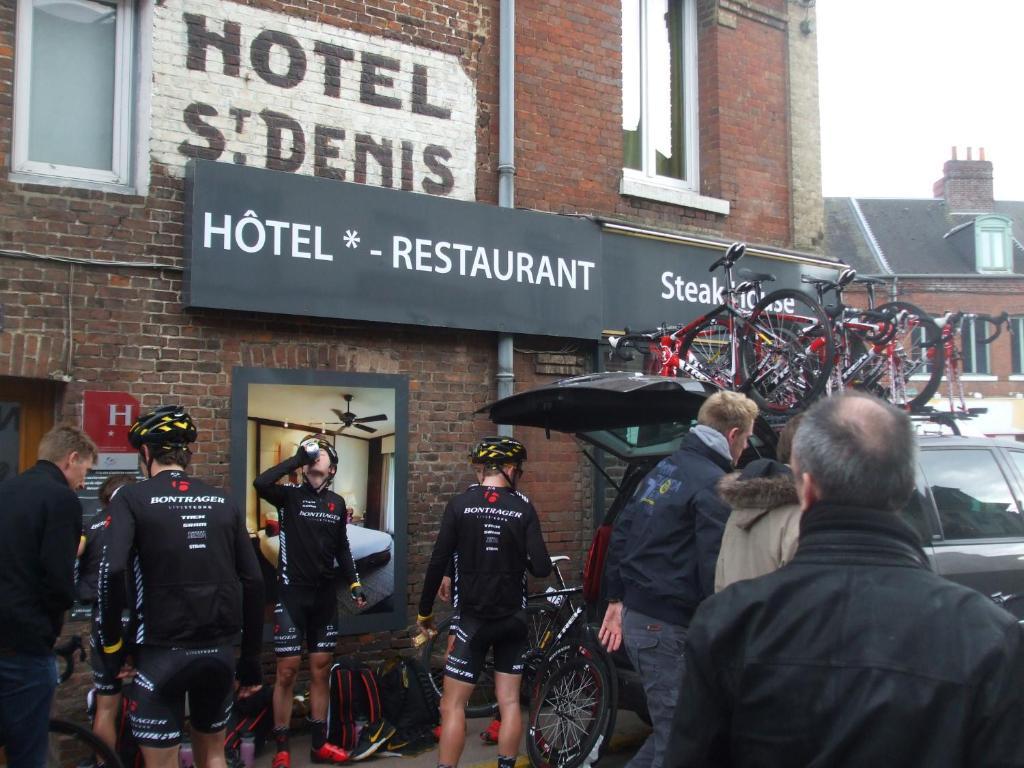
(998, 321)
(66, 651)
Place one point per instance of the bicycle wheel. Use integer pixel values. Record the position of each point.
(570, 714)
(483, 703)
(914, 363)
(72, 745)
(787, 351)
(707, 352)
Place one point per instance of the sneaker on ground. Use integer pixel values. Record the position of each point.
(371, 738)
(329, 753)
(282, 759)
(490, 736)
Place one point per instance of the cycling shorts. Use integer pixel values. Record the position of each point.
(306, 614)
(471, 637)
(164, 676)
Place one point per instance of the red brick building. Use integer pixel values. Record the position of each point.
(687, 122)
(959, 251)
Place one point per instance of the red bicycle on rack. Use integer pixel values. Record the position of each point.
(948, 354)
(779, 352)
(883, 349)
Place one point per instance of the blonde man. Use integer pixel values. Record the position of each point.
(662, 555)
(42, 520)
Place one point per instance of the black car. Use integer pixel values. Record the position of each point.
(968, 507)
(969, 512)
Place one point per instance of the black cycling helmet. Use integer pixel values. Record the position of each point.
(164, 429)
(496, 451)
(325, 445)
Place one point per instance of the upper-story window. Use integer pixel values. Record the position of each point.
(992, 244)
(73, 91)
(659, 101)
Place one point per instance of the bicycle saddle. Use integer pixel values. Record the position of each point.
(756, 277)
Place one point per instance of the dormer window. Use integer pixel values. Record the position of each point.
(992, 244)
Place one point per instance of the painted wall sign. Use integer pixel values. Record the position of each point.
(281, 243)
(250, 87)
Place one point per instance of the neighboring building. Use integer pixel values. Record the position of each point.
(178, 222)
(960, 251)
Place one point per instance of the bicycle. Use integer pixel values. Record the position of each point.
(70, 744)
(881, 348)
(568, 680)
(542, 612)
(764, 352)
(950, 356)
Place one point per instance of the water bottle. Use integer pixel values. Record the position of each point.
(248, 750)
(185, 755)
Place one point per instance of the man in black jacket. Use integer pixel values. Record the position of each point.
(314, 540)
(41, 519)
(662, 555)
(198, 586)
(856, 653)
(490, 536)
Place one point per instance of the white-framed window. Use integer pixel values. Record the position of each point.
(992, 244)
(73, 97)
(1017, 344)
(659, 102)
(975, 352)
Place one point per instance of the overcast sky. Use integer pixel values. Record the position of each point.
(902, 81)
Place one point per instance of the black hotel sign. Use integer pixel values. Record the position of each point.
(267, 241)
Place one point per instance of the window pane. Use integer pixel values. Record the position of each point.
(72, 83)
(980, 347)
(1016, 340)
(665, 85)
(632, 124)
(971, 494)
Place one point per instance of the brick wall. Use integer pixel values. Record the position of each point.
(116, 320)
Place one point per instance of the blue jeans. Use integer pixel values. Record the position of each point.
(27, 683)
(655, 648)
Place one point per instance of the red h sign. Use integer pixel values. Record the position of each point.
(108, 415)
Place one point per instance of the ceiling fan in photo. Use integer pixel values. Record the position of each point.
(348, 419)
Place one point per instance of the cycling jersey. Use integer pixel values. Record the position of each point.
(88, 566)
(492, 537)
(313, 530)
(197, 579)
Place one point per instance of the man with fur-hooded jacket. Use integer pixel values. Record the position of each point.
(764, 527)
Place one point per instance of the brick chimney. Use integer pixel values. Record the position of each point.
(966, 185)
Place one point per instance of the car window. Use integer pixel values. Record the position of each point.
(971, 494)
(1017, 457)
(915, 513)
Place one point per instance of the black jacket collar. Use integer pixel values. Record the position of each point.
(863, 533)
(51, 470)
(693, 444)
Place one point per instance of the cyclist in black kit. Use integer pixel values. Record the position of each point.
(491, 535)
(312, 522)
(198, 584)
(106, 683)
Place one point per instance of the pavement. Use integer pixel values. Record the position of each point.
(630, 733)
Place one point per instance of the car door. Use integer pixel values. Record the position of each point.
(981, 539)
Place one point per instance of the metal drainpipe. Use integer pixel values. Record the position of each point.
(506, 168)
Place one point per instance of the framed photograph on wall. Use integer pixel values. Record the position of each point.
(365, 418)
